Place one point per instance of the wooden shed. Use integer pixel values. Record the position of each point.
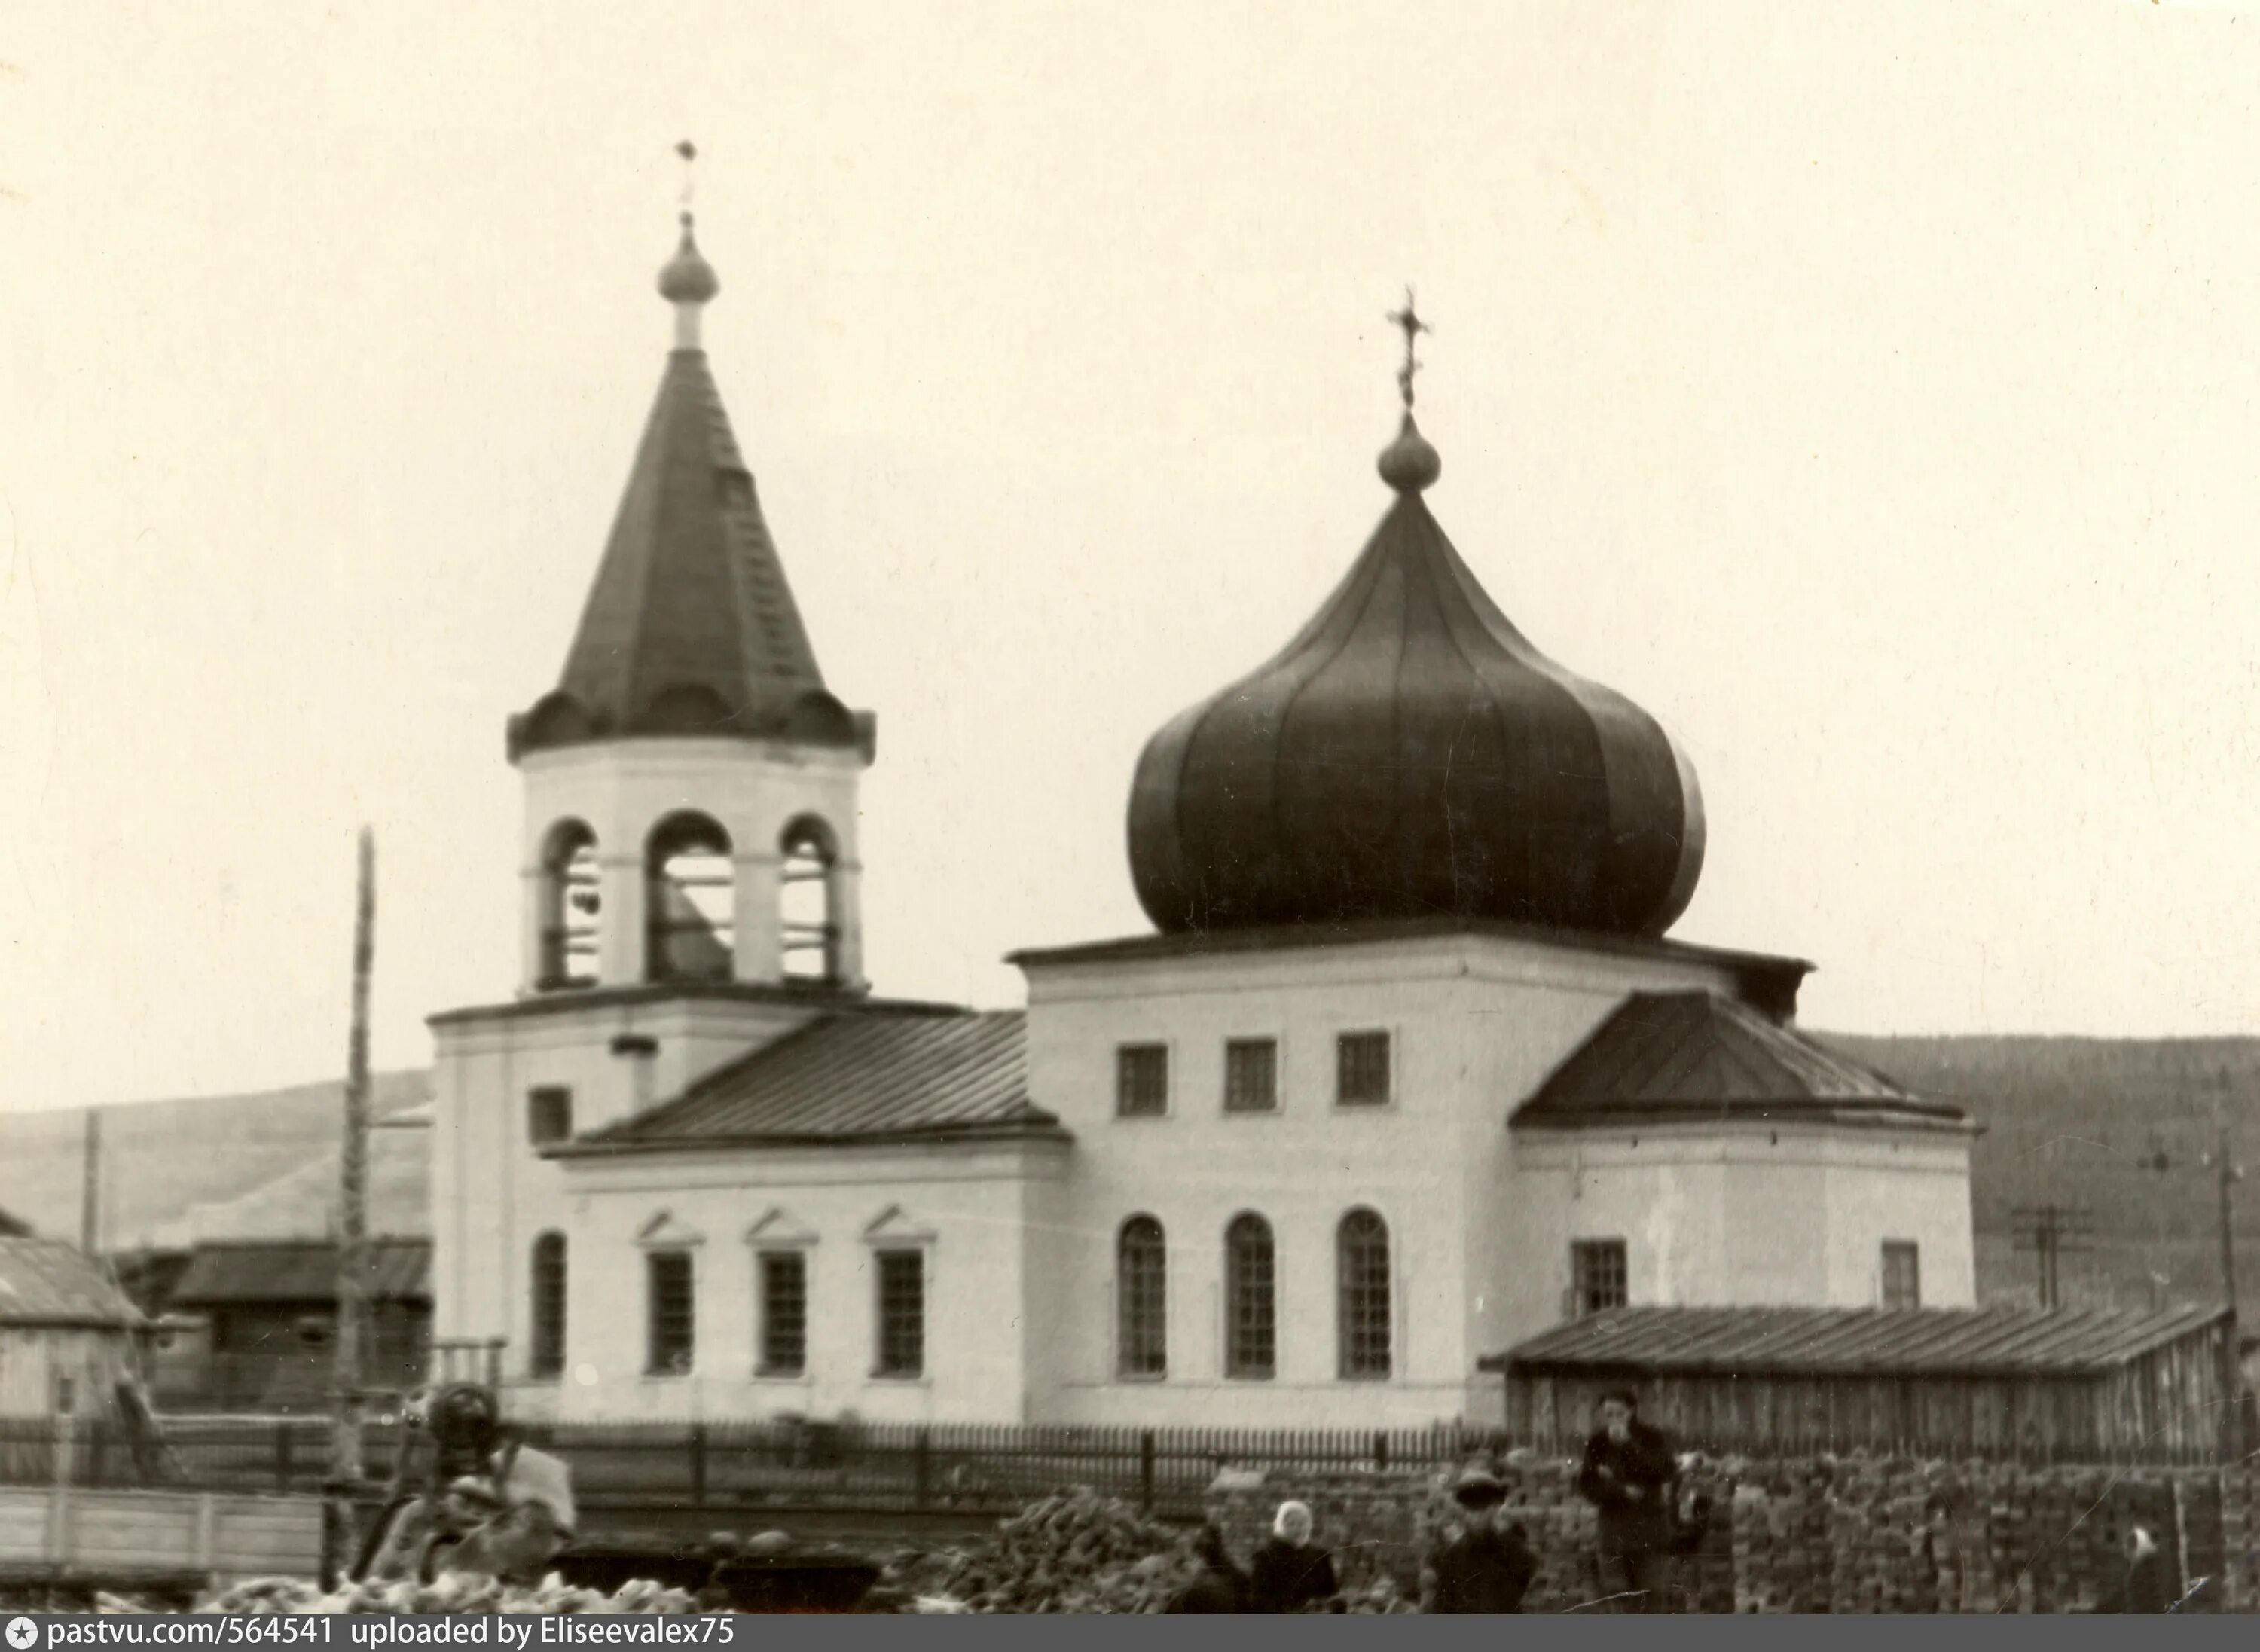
(67, 1334)
(2064, 1384)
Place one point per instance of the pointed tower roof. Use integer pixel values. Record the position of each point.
(691, 628)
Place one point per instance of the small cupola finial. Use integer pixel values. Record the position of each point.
(688, 282)
(1409, 464)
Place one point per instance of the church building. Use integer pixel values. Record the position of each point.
(1407, 1071)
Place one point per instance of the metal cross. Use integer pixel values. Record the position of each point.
(688, 150)
(1408, 320)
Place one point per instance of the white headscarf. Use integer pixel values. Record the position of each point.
(1289, 1512)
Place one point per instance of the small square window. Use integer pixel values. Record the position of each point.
(902, 1313)
(784, 1313)
(1361, 1069)
(549, 1114)
(1141, 1081)
(1599, 1275)
(1902, 1274)
(1251, 1074)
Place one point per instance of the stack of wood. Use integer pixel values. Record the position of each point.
(2240, 1539)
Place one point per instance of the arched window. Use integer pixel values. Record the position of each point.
(569, 905)
(546, 1346)
(1250, 1341)
(808, 925)
(1362, 1266)
(692, 900)
(1141, 1258)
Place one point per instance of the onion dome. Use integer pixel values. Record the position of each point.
(687, 278)
(1410, 755)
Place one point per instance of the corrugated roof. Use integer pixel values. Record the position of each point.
(1670, 1054)
(45, 1283)
(1854, 1341)
(223, 1274)
(852, 1077)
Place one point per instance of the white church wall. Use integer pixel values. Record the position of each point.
(1475, 1023)
(491, 1191)
(967, 1208)
(1910, 1190)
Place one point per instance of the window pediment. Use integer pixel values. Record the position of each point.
(780, 1228)
(896, 1227)
(668, 1232)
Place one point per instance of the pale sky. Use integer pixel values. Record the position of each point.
(1867, 390)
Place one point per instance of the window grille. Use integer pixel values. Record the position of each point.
(673, 1309)
(549, 1114)
(546, 1347)
(1362, 1267)
(1362, 1069)
(808, 925)
(784, 1313)
(902, 1313)
(1142, 1276)
(1251, 1336)
(1600, 1276)
(1141, 1081)
(1251, 1074)
(1902, 1274)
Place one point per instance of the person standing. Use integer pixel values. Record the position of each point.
(1485, 1570)
(1219, 1586)
(1290, 1573)
(1629, 1476)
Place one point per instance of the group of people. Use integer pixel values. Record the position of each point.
(1630, 1474)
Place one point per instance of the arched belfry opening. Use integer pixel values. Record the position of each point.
(808, 901)
(690, 901)
(571, 906)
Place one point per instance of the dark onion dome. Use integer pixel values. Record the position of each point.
(687, 278)
(1410, 755)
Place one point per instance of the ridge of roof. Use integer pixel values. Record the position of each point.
(50, 1283)
(1691, 1055)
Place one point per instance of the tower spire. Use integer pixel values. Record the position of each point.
(688, 282)
(1409, 463)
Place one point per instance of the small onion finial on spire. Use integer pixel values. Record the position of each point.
(688, 281)
(1409, 463)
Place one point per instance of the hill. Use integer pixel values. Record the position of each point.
(163, 1160)
(2067, 1121)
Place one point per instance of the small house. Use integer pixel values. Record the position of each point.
(67, 1334)
(2094, 1385)
(256, 1324)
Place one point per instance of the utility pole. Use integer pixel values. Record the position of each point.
(90, 1208)
(2232, 1363)
(2050, 1230)
(353, 1235)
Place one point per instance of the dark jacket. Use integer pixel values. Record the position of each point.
(1283, 1577)
(2144, 1590)
(1210, 1591)
(1483, 1572)
(1613, 1472)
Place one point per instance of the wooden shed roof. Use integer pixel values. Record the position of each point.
(1853, 1342)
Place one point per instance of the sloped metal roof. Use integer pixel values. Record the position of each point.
(1676, 1054)
(48, 1284)
(1854, 1341)
(850, 1078)
(223, 1274)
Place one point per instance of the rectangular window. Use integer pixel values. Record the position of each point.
(1251, 1074)
(1141, 1081)
(1600, 1278)
(902, 1313)
(549, 1114)
(1902, 1274)
(784, 1313)
(673, 1312)
(1361, 1069)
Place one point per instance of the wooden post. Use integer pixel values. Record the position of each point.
(1146, 1470)
(922, 1468)
(285, 1462)
(352, 1228)
(2233, 1444)
(698, 1463)
(90, 1209)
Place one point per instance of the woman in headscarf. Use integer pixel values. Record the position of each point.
(1290, 1573)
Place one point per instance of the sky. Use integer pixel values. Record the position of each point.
(1867, 391)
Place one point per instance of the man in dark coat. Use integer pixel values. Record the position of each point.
(1629, 1476)
(1484, 1570)
(1219, 1586)
(2144, 1590)
(1290, 1573)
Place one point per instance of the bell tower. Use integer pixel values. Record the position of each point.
(690, 783)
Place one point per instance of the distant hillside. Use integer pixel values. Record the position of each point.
(161, 1160)
(2066, 1120)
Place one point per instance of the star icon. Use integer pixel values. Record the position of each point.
(23, 1633)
